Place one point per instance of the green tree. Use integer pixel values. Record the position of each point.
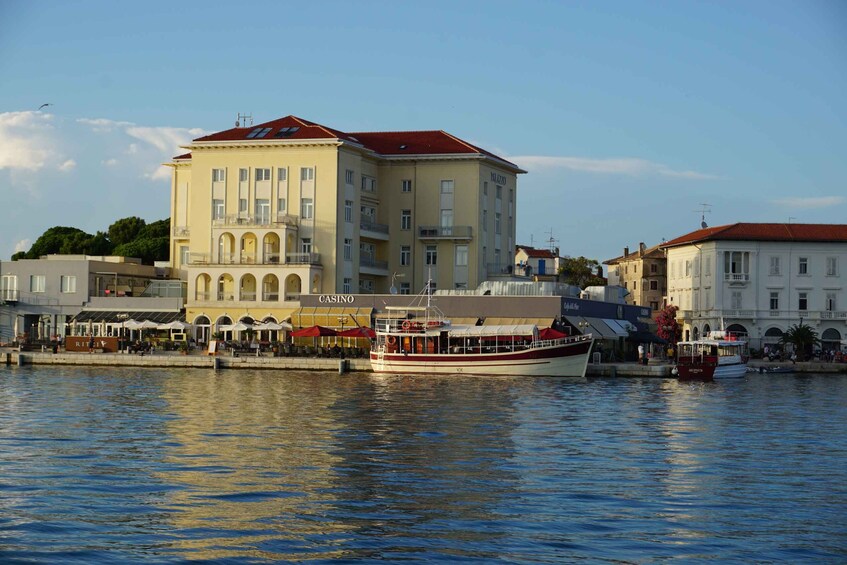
(53, 241)
(803, 338)
(669, 328)
(126, 230)
(581, 272)
(162, 228)
(148, 250)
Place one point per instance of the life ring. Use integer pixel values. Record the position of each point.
(391, 340)
(406, 325)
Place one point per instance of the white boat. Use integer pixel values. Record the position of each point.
(418, 339)
(721, 355)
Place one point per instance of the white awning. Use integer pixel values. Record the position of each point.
(483, 331)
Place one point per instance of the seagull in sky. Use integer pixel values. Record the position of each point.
(44, 106)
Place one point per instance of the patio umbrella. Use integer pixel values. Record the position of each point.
(175, 325)
(550, 333)
(361, 331)
(273, 326)
(314, 331)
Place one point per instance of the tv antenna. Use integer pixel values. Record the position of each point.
(703, 211)
(552, 241)
(242, 119)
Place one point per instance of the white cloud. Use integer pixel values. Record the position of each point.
(101, 125)
(68, 165)
(811, 202)
(23, 245)
(26, 141)
(628, 166)
(109, 162)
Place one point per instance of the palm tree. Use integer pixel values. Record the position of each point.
(804, 338)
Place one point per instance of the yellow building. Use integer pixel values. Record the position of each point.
(265, 213)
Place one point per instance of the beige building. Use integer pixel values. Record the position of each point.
(265, 213)
(643, 273)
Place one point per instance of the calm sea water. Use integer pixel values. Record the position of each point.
(136, 465)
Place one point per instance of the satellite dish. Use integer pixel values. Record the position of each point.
(704, 225)
(393, 290)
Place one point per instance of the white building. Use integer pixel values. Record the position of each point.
(760, 279)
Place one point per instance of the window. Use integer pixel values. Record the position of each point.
(306, 245)
(242, 206)
(485, 188)
(242, 175)
(69, 282)
(184, 255)
(831, 266)
(634, 285)
(736, 300)
(263, 174)
(9, 287)
(368, 184)
(281, 205)
(803, 302)
(485, 220)
(654, 285)
(736, 265)
(461, 255)
(654, 306)
(348, 249)
(707, 267)
(774, 266)
(654, 268)
(447, 219)
(405, 255)
(348, 211)
(499, 192)
(497, 222)
(307, 173)
(406, 220)
(37, 283)
(348, 176)
(774, 301)
(803, 266)
(446, 187)
(217, 209)
(348, 283)
(405, 288)
(431, 254)
(830, 302)
(406, 185)
(306, 208)
(218, 175)
(687, 268)
(282, 174)
(263, 211)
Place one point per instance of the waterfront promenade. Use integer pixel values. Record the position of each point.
(11, 356)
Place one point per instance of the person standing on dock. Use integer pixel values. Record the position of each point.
(642, 357)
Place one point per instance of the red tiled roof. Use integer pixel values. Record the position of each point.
(537, 253)
(765, 232)
(393, 143)
(183, 156)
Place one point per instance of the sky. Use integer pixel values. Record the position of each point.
(628, 116)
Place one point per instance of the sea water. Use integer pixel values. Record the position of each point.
(162, 466)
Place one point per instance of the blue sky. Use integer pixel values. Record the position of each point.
(627, 115)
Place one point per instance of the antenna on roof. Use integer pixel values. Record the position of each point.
(553, 241)
(703, 210)
(242, 119)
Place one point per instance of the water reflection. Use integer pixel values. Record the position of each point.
(170, 465)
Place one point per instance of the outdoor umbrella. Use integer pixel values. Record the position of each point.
(273, 326)
(550, 333)
(361, 331)
(176, 325)
(314, 331)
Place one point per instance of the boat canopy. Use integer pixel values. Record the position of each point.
(502, 330)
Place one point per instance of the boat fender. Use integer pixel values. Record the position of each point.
(391, 340)
(406, 325)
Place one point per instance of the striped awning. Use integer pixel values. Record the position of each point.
(540, 322)
(117, 316)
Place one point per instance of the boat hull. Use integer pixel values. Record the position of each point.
(711, 372)
(569, 360)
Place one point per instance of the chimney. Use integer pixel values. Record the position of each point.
(642, 248)
(625, 251)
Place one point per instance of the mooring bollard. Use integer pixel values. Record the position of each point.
(216, 363)
(342, 366)
(20, 360)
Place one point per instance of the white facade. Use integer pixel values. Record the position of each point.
(764, 287)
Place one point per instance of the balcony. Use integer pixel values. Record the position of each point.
(373, 230)
(181, 231)
(445, 232)
(737, 279)
(270, 296)
(248, 296)
(303, 258)
(831, 315)
(286, 219)
(372, 266)
(226, 297)
(242, 220)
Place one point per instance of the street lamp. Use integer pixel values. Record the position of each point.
(395, 276)
(122, 318)
(341, 320)
(583, 326)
